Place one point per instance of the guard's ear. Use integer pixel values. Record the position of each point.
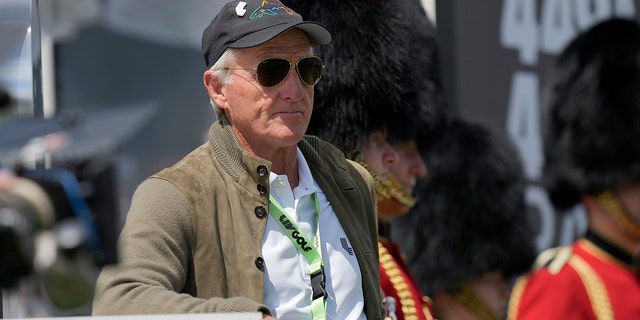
(214, 88)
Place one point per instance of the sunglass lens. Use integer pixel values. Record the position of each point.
(310, 70)
(272, 71)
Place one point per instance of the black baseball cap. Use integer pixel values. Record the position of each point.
(248, 23)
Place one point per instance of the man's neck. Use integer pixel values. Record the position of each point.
(285, 162)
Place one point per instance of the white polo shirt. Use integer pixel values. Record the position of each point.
(287, 287)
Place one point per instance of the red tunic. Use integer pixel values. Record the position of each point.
(402, 296)
(590, 281)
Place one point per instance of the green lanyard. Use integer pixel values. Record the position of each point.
(310, 253)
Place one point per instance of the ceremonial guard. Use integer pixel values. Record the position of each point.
(593, 158)
(468, 237)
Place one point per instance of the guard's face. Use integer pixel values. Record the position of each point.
(408, 169)
(410, 166)
(379, 155)
(269, 118)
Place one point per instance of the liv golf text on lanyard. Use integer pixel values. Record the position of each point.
(310, 253)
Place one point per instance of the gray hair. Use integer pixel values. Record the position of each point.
(223, 75)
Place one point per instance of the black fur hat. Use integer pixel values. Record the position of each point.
(472, 218)
(591, 142)
(382, 70)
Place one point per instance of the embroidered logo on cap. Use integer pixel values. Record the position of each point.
(240, 8)
(270, 8)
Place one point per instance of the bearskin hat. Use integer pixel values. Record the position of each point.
(382, 70)
(472, 218)
(594, 113)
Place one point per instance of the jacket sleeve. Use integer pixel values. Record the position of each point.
(155, 256)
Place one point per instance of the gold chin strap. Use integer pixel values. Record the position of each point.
(399, 192)
(381, 188)
(465, 295)
(392, 189)
(387, 190)
(613, 205)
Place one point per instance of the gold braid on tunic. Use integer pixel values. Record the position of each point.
(390, 266)
(556, 258)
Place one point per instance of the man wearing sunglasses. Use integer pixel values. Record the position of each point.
(261, 217)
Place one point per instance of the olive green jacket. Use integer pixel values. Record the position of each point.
(192, 238)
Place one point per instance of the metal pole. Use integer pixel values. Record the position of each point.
(36, 58)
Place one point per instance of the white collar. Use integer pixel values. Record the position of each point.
(306, 183)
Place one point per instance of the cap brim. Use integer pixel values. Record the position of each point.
(317, 33)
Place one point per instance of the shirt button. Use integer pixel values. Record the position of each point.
(281, 184)
(261, 212)
(260, 263)
(262, 170)
(262, 189)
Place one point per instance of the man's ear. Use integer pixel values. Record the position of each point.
(214, 88)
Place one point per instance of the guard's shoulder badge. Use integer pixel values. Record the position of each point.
(553, 259)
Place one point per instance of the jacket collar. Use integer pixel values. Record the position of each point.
(240, 164)
(626, 259)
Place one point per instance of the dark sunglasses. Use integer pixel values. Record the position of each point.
(271, 72)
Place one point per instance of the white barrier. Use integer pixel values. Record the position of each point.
(191, 316)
